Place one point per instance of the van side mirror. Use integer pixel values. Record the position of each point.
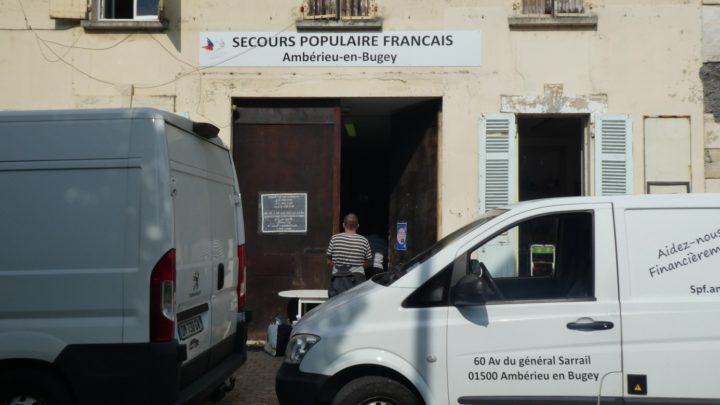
(469, 291)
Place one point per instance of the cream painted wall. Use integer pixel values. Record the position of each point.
(644, 57)
(711, 31)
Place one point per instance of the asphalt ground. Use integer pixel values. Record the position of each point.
(254, 380)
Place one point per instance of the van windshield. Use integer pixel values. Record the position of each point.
(395, 274)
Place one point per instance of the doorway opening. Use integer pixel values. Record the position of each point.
(551, 156)
(389, 149)
(366, 132)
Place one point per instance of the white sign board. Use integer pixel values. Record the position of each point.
(340, 49)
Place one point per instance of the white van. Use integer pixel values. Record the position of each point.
(586, 300)
(121, 259)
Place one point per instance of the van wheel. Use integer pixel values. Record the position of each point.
(32, 386)
(375, 391)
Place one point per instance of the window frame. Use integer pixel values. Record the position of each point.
(553, 20)
(103, 6)
(97, 22)
(338, 14)
(553, 9)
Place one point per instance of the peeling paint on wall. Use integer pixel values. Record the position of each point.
(554, 102)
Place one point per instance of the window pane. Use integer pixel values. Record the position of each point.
(548, 257)
(147, 7)
(431, 294)
(117, 9)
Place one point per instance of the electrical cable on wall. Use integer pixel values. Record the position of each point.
(62, 58)
(46, 44)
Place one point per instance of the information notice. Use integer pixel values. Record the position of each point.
(283, 213)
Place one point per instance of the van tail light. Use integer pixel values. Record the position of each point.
(162, 299)
(241, 285)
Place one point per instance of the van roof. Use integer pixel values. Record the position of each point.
(631, 200)
(95, 114)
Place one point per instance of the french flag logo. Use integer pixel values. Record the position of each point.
(210, 45)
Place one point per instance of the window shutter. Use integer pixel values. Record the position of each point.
(498, 149)
(320, 9)
(71, 9)
(358, 9)
(613, 155)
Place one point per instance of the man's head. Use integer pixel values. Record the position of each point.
(350, 222)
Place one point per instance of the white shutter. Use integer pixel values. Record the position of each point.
(498, 140)
(613, 155)
(72, 9)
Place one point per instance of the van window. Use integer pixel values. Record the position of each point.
(433, 293)
(547, 257)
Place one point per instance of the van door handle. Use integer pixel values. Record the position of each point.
(221, 276)
(587, 325)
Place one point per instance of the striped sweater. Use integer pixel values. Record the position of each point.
(349, 249)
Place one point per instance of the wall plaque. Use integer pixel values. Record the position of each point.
(283, 213)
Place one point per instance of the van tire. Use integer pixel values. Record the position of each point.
(375, 391)
(25, 386)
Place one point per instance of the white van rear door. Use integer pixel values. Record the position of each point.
(193, 240)
(554, 329)
(223, 199)
(206, 243)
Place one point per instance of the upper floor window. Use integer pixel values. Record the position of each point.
(339, 9)
(123, 15)
(553, 14)
(111, 14)
(129, 10)
(552, 7)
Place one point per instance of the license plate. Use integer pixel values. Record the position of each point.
(190, 327)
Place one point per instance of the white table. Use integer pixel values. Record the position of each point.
(305, 297)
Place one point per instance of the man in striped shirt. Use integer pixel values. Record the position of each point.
(348, 253)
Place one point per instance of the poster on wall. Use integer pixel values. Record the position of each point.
(283, 213)
(401, 236)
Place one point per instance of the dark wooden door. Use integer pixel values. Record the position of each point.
(414, 178)
(286, 147)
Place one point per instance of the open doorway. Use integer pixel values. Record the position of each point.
(389, 149)
(550, 151)
(365, 164)
(551, 156)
